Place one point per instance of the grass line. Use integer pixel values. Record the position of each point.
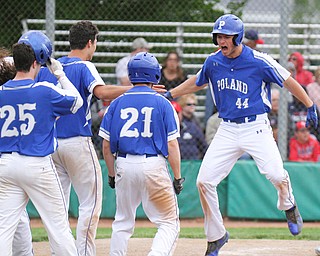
(39, 234)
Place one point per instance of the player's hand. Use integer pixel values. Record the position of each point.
(159, 88)
(112, 182)
(177, 184)
(312, 116)
(55, 68)
(168, 95)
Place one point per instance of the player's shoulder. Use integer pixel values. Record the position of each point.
(45, 85)
(164, 102)
(260, 56)
(76, 62)
(215, 55)
(115, 102)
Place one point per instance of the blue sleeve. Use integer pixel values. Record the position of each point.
(90, 76)
(202, 77)
(62, 104)
(105, 128)
(273, 71)
(171, 121)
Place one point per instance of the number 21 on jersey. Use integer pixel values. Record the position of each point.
(131, 115)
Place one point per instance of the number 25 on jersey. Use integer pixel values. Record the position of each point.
(9, 114)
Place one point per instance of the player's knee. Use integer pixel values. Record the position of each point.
(204, 181)
(275, 173)
(204, 186)
(200, 183)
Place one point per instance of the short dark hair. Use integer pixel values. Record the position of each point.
(80, 34)
(23, 56)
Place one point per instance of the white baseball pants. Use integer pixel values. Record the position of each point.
(229, 143)
(24, 177)
(77, 164)
(147, 180)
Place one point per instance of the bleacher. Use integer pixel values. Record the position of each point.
(191, 40)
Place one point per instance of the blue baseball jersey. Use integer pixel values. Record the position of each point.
(140, 122)
(84, 76)
(28, 113)
(241, 86)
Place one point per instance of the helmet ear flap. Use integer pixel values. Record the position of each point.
(214, 39)
(234, 40)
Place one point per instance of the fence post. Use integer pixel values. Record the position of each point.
(283, 106)
(50, 18)
(179, 40)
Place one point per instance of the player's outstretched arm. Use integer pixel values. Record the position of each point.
(296, 89)
(188, 86)
(109, 92)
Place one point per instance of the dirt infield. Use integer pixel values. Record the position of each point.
(194, 247)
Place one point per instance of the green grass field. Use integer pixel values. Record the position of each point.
(39, 234)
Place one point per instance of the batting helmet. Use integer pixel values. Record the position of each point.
(144, 68)
(40, 44)
(228, 24)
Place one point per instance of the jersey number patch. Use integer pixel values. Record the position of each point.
(8, 113)
(243, 104)
(132, 115)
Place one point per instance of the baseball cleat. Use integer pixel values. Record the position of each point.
(214, 247)
(317, 250)
(294, 220)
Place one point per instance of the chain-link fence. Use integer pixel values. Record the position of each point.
(183, 26)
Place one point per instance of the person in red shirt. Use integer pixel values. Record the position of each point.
(303, 146)
(304, 77)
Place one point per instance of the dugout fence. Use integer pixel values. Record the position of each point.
(244, 194)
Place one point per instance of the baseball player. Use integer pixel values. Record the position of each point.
(22, 241)
(28, 113)
(239, 79)
(76, 160)
(140, 130)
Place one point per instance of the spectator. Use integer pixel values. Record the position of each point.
(313, 89)
(298, 112)
(172, 73)
(303, 146)
(251, 39)
(192, 140)
(178, 109)
(138, 45)
(189, 100)
(304, 77)
(291, 67)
